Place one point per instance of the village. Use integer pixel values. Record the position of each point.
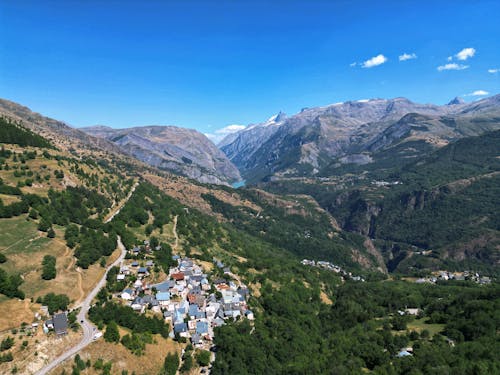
(188, 299)
(331, 267)
(458, 276)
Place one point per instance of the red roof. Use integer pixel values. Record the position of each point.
(178, 276)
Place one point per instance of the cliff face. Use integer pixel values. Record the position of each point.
(182, 151)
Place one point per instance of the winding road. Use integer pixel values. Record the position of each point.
(89, 329)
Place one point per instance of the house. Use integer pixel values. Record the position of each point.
(249, 315)
(218, 322)
(201, 328)
(181, 329)
(167, 315)
(404, 353)
(412, 311)
(135, 264)
(195, 313)
(138, 304)
(178, 276)
(164, 286)
(196, 339)
(179, 315)
(149, 263)
(60, 324)
(142, 271)
(150, 300)
(127, 294)
(120, 277)
(163, 298)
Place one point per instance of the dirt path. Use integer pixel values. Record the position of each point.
(121, 204)
(71, 264)
(27, 304)
(15, 243)
(174, 230)
(80, 287)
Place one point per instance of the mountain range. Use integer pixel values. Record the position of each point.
(317, 140)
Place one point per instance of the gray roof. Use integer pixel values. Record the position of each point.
(60, 322)
(180, 327)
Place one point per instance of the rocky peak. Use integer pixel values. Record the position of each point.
(456, 100)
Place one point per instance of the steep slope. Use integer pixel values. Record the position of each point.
(439, 211)
(315, 141)
(57, 132)
(182, 151)
(240, 147)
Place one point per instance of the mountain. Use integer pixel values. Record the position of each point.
(241, 146)
(317, 140)
(182, 151)
(456, 101)
(58, 132)
(438, 211)
(61, 215)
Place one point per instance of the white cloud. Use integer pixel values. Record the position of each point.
(465, 53)
(449, 58)
(353, 64)
(493, 71)
(220, 134)
(407, 56)
(452, 66)
(374, 61)
(478, 93)
(230, 129)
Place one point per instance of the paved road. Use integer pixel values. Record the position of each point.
(88, 328)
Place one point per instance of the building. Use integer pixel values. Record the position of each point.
(59, 323)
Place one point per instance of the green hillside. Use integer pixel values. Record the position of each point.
(14, 133)
(446, 202)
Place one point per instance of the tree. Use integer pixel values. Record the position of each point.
(44, 225)
(112, 334)
(51, 233)
(6, 343)
(48, 267)
(203, 357)
(171, 364)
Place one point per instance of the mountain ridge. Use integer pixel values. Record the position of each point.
(180, 150)
(307, 142)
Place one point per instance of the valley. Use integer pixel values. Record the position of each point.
(331, 260)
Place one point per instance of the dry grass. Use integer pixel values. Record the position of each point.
(13, 312)
(324, 298)
(25, 248)
(122, 359)
(8, 199)
(40, 350)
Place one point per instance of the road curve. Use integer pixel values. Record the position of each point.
(88, 328)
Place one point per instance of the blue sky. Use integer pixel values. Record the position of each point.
(209, 64)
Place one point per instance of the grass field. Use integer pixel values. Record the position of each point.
(24, 246)
(8, 199)
(420, 324)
